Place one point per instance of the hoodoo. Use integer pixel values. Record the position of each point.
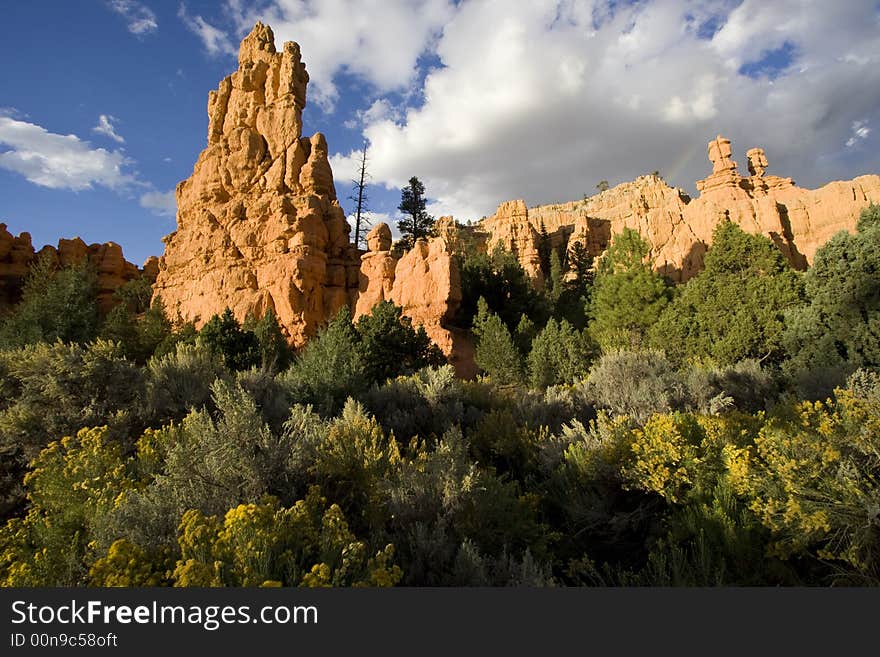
(259, 225)
(678, 228)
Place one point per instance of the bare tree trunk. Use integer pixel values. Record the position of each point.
(361, 198)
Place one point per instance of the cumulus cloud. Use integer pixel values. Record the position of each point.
(60, 161)
(380, 110)
(375, 40)
(215, 39)
(541, 100)
(139, 18)
(161, 203)
(105, 127)
(860, 130)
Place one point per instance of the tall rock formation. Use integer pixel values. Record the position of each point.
(679, 229)
(17, 255)
(259, 225)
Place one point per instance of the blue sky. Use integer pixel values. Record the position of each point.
(102, 103)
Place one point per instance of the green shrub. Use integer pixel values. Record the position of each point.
(53, 390)
(56, 304)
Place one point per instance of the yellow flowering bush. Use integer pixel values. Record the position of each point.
(812, 479)
(308, 544)
(664, 457)
(72, 484)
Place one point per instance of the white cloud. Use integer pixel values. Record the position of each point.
(161, 203)
(860, 130)
(541, 100)
(139, 18)
(380, 110)
(105, 127)
(215, 40)
(60, 161)
(345, 167)
(379, 41)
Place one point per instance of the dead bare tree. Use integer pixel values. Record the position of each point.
(360, 198)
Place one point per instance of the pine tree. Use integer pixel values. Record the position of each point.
(839, 327)
(417, 222)
(495, 353)
(556, 282)
(628, 295)
(391, 345)
(56, 304)
(544, 249)
(223, 335)
(275, 353)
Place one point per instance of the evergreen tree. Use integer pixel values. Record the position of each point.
(524, 334)
(839, 327)
(544, 249)
(571, 296)
(329, 368)
(390, 346)
(495, 353)
(559, 354)
(223, 335)
(56, 304)
(136, 322)
(580, 262)
(734, 308)
(628, 296)
(416, 222)
(499, 279)
(275, 353)
(556, 282)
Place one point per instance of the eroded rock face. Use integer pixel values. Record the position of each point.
(425, 282)
(259, 225)
(427, 285)
(679, 229)
(17, 255)
(512, 228)
(377, 272)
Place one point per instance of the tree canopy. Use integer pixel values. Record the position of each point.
(628, 296)
(416, 222)
(735, 308)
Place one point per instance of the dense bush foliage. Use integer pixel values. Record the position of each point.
(734, 308)
(839, 328)
(141, 453)
(628, 295)
(56, 304)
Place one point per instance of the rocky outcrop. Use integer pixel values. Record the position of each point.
(258, 223)
(679, 229)
(512, 229)
(17, 255)
(425, 282)
(377, 272)
(427, 285)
